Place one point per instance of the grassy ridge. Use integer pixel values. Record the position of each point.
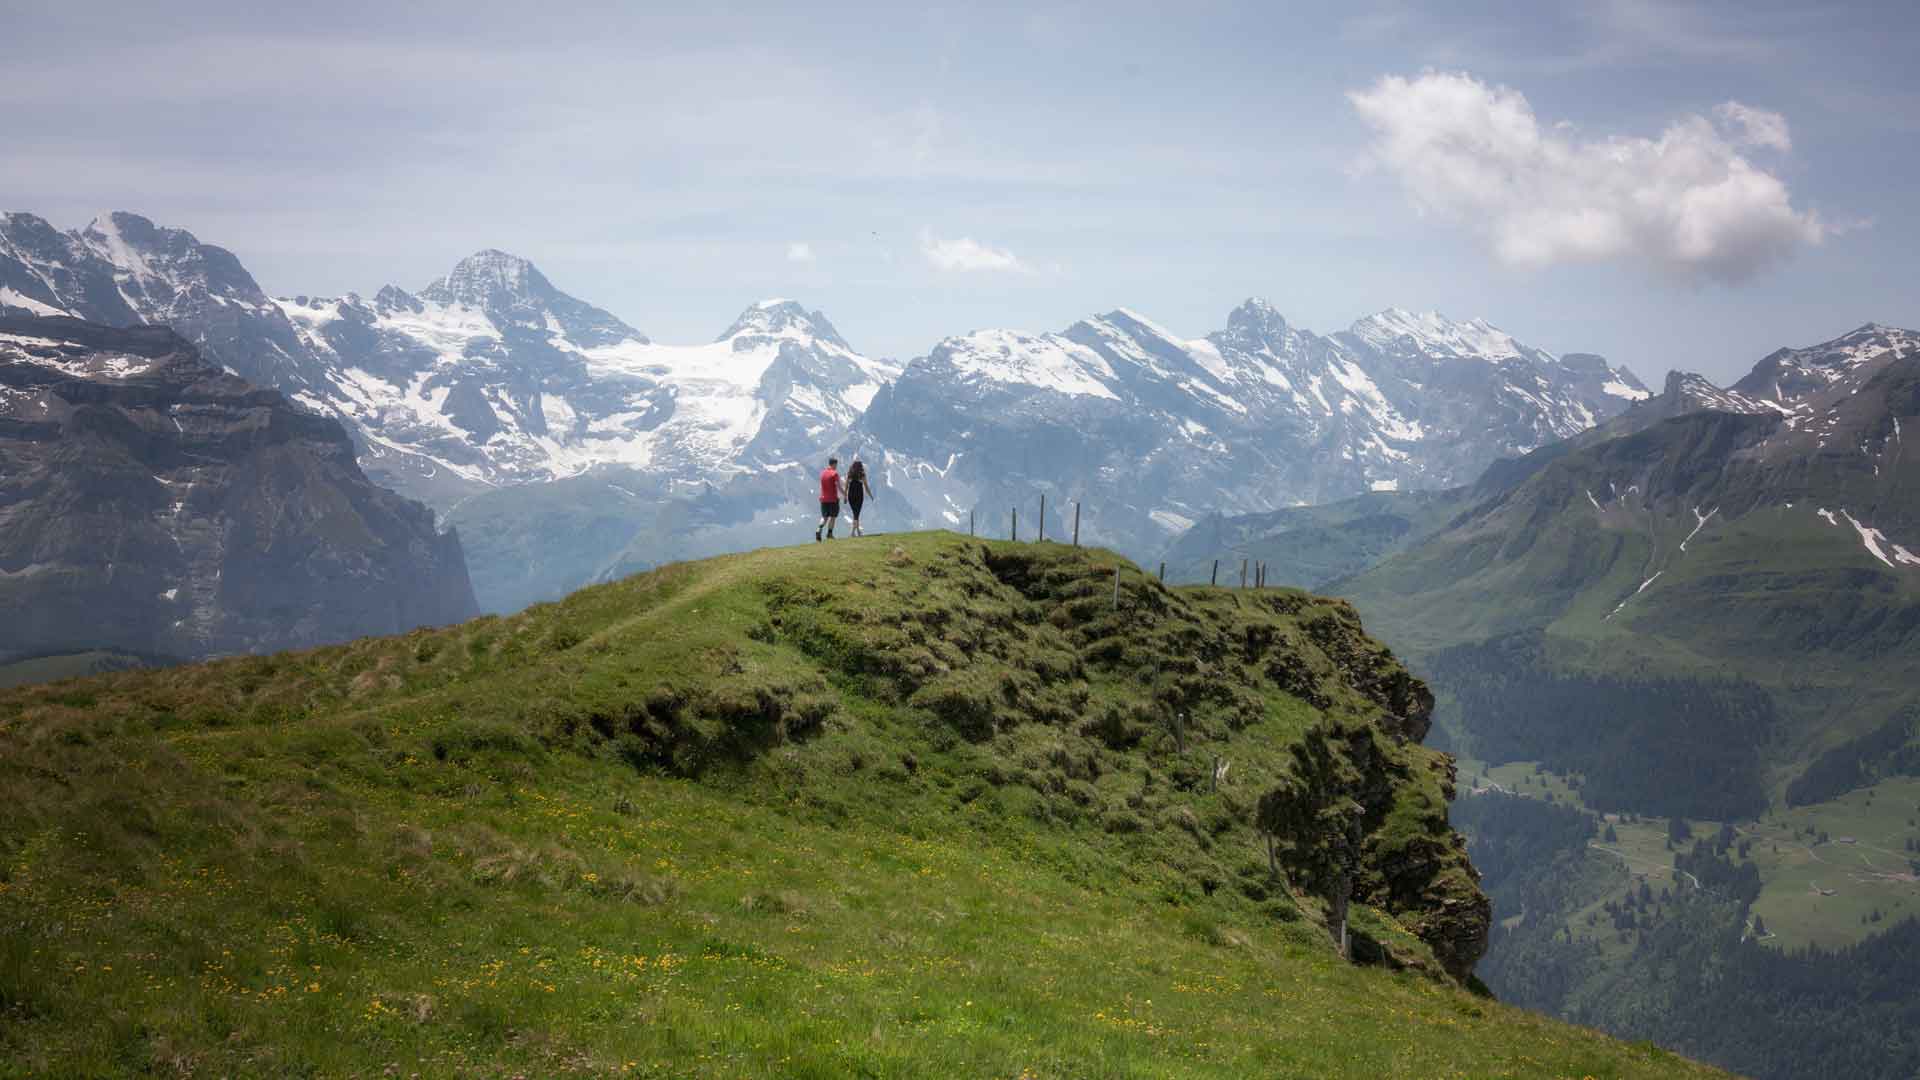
(894, 807)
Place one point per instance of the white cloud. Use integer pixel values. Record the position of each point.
(800, 252)
(1688, 201)
(968, 254)
(1755, 127)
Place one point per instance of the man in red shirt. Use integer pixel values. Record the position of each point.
(830, 491)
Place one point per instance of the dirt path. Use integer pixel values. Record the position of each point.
(1636, 868)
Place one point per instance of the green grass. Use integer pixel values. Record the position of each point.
(895, 807)
(1825, 894)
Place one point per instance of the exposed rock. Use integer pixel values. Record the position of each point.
(151, 503)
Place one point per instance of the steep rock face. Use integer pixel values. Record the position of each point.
(151, 503)
(1153, 431)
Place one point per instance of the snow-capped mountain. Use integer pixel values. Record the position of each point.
(123, 270)
(492, 377)
(1791, 377)
(1823, 450)
(1831, 397)
(486, 377)
(1153, 431)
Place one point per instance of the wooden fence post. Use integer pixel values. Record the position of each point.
(1016, 524)
(1243, 573)
(1214, 578)
(1041, 538)
(970, 514)
(1076, 523)
(1163, 573)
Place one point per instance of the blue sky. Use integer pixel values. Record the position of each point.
(1670, 185)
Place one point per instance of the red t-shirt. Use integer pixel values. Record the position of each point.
(829, 485)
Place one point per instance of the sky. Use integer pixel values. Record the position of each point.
(1670, 185)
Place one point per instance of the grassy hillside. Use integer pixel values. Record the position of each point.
(907, 806)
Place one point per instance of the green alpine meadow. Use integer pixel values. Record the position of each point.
(904, 806)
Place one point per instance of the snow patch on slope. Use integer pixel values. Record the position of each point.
(1636, 592)
(1699, 522)
(1436, 335)
(1873, 539)
(10, 298)
(1047, 362)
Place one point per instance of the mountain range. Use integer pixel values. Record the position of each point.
(1770, 530)
(487, 381)
(1705, 610)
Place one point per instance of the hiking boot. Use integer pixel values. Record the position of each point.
(816, 536)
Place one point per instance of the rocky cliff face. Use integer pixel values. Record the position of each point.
(151, 503)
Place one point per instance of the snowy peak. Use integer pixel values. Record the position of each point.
(1690, 392)
(1433, 334)
(491, 279)
(392, 298)
(1009, 358)
(1135, 347)
(1258, 318)
(780, 318)
(123, 270)
(168, 260)
(512, 292)
(1788, 376)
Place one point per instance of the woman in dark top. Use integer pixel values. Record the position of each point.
(857, 491)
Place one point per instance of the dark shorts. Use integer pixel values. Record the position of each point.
(829, 509)
(853, 504)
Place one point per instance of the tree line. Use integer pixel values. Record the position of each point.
(1667, 746)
